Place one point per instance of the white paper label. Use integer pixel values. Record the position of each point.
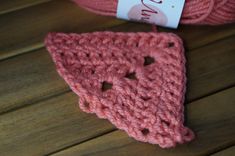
(165, 13)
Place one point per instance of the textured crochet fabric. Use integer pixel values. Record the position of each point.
(135, 80)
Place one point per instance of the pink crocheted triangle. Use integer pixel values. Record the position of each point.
(135, 80)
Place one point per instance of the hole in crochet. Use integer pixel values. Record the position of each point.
(166, 122)
(145, 131)
(148, 60)
(86, 104)
(106, 86)
(131, 76)
(171, 44)
(145, 98)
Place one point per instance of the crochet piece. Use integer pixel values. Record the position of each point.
(135, 80)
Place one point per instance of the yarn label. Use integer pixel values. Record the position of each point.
(165, 13)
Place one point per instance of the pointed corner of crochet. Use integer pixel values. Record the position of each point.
(49, 38)
(49, 41)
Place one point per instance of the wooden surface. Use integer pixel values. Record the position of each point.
(228, 152)
(39, 114)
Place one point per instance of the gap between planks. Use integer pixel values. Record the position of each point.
(230, 151)
(7, 6)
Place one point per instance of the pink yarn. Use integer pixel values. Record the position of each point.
(212, 12)
(145, 73)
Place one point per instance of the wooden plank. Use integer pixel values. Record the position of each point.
(47, 126)
(29, 78)
(227, 152)
(212, 118)
(210, 68)
(35, 77)
(24, 30)
(7, 6)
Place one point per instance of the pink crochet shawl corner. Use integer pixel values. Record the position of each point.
(135, 80)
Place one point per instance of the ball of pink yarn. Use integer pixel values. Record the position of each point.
(211, 12)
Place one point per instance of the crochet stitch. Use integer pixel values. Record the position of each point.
(135, 80)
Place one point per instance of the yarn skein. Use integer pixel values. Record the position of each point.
(197, 12)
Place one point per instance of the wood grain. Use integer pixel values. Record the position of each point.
(25, 30)
(212, 118)
(28, 78)
(227, 152)
(47, 126)
(7, 6)
(35, 77)
(210, 68)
